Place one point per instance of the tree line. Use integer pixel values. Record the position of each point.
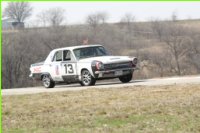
(164, 48)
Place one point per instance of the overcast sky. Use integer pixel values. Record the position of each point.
(76, 12)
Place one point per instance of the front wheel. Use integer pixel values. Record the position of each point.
(126, 78)
(48, 82)
(87, 79)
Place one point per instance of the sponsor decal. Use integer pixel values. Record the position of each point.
(37, 70)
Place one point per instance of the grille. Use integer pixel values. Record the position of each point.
(117, 65)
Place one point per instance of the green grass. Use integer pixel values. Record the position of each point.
(132, 109)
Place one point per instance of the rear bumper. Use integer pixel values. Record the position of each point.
(113, 73)
(35, 76)
(31, 75)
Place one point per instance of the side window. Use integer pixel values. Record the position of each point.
(66, 55)
(58, 56)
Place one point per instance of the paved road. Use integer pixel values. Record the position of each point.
(76, 87)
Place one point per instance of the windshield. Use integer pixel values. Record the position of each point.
(88, 52)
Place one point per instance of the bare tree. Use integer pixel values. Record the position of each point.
(55, 16)
(177, 42)
(162, 59)
(96, 19)
(157, 27)
(19, 11)
(194, 53)
(103, 17)
(128, 19)
(42, 18)
(93, 20)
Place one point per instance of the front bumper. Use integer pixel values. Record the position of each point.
(113, 73)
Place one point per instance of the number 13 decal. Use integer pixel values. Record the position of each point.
(69, 68)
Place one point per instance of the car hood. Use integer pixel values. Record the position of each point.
(107, 59)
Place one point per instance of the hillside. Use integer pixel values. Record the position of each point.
(164, 48)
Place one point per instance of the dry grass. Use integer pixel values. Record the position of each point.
(133, 109)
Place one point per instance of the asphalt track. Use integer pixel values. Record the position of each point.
(99, 85)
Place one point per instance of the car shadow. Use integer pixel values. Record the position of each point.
(100, 84)
(117, 82)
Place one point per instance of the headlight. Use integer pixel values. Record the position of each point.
(99, 65)
(135, 61)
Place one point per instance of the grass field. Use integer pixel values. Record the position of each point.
(135, 109)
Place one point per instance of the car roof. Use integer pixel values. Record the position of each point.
(78, 46)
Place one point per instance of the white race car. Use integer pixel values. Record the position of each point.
(82, 64)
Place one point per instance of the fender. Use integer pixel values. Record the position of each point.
(45, 73)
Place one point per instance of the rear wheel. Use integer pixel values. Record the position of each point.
(126, 78)
(48, 82)
(87, 79)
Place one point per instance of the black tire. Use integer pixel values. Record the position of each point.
(47, 81)
(126, 78)
(87, 79)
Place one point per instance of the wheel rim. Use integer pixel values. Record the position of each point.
(46, 81)
(86, 77)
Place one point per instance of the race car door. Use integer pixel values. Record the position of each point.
(69, 67)
(56, 66)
